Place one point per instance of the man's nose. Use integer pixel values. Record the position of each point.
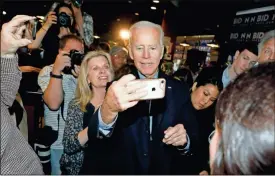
(146, 54)
(272, 56)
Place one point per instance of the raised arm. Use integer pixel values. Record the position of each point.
(52, 86)
(11, 40)
(51, 19)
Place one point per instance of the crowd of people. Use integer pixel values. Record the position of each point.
(93, 105)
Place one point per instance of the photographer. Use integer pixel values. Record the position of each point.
(67, 19)
(59, 89)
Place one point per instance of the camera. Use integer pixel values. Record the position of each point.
(76, 59)
(64, 20)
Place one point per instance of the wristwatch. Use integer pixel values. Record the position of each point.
(56, 76)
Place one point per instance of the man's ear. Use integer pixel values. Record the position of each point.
(162, 52)
(237, 53)
(194, 86)
(130, 51)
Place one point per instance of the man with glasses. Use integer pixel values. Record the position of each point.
(266, 47)
(244, 58)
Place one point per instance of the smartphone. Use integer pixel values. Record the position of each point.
(155, 87)
(31, 29)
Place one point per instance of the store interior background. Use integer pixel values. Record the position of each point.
(186, 22)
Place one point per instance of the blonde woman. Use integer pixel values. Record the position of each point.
(95, 71)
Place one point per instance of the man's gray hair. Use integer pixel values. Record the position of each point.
(141, 24)
(267, 36)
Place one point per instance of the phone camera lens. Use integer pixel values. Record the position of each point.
(153, 89)
(162, 81)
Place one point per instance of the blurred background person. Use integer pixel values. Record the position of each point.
(267, 47)
(95, 72)
(244, 139)
(119, 56)
(246, 56)
(189, 71)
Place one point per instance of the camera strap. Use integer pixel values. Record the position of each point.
(62, 115)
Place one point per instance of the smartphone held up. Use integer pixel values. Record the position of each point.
(155, 88)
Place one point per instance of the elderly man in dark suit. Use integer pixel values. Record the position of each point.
(127, 136)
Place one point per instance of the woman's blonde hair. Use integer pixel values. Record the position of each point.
(84, 92)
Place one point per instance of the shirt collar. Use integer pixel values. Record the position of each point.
(141, 76)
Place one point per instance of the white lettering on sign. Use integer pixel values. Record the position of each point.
(273, 18)
(257, 35)
(252, 19)
(234, 35)
(237, 21)
(246, 20)
(245, 35)
(262, 18)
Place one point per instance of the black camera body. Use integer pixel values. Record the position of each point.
(64, 20)
(76, 59)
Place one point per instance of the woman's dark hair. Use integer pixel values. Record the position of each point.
(210, 75)
(245, 116)
(104, 46)
(72, 28)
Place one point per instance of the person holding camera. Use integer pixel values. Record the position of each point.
(59, 89)
(62, 19)
(17, 156)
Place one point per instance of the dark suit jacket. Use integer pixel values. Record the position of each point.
(129, 150)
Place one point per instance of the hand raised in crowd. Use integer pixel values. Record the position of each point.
(175, 136)
(62, 60)
(51, 19)
(76, 70)
(11, 35)
(120, 96)
(204, 172)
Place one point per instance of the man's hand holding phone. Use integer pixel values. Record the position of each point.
(122, 95)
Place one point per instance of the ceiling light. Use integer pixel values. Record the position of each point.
(124, 34)
(4, 12)
(184, 43)
(213, 44)
(137, 14)
(153, 8)
(155, 1)
(96, 37)
(130, 2)
(118, 19)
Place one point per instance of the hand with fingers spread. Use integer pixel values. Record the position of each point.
(175, 136)
(120, 96)
(11, 35)
(62, 60)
